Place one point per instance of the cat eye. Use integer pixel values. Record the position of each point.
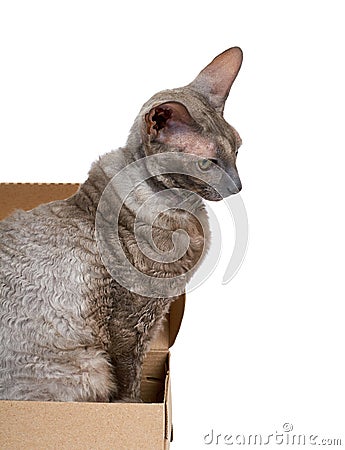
(205, 164)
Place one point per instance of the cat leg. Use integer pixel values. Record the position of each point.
(130, 344)
(127, 368)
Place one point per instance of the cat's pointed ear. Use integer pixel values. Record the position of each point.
(216, 79)
(167, 118)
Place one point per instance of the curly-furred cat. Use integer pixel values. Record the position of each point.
(69, 331)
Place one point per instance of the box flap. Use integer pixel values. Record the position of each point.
(28, 195)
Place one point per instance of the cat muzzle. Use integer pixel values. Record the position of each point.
(230, 183)
(235, 188)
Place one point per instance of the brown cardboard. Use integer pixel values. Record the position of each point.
(45, 425)
(120, 426)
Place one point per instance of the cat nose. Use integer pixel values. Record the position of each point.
(235, 185)
(235, 188)
(230, 183)
(238, 185)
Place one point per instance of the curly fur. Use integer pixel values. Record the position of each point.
(68, 330)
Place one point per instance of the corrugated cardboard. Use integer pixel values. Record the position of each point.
(120, 426)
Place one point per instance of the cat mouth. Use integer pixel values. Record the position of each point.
(228, 185)
(218, 192)
(232, 183)
(235, 189)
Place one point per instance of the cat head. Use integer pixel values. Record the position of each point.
(189, 121)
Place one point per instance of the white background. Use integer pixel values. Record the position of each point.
(268, 348)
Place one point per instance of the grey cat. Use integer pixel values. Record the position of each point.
(69, 330)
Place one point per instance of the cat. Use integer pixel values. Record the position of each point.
(69, 330)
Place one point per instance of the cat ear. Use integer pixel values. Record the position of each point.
(215, 81)
(166, 118)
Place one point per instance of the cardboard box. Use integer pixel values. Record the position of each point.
(120, 426)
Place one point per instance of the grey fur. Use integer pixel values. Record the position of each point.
(68, 330)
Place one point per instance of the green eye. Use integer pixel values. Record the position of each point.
(204, 164)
